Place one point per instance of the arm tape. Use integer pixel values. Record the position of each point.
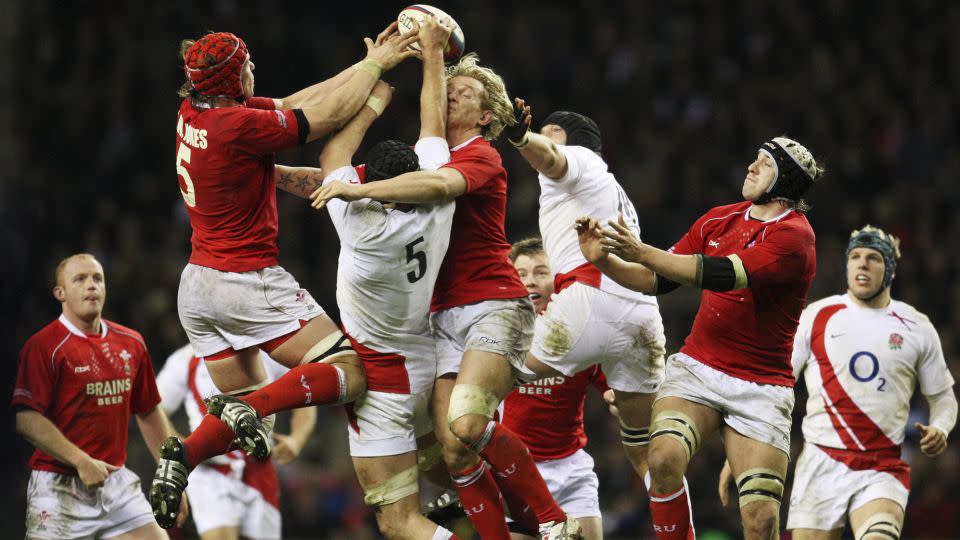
(721, 273)
(662, 285)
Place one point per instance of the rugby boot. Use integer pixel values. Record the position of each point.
(243, 420)
(169, 482)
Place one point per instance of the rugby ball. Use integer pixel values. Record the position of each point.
(416, 13)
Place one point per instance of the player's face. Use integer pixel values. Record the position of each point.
(864, 272)
(760, 175)
(537, 278)
(555, 133)
(81, 288)
(465, 103)
(246, 78)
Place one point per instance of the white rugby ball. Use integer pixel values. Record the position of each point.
(416, 13)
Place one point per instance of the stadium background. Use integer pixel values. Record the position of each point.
(684, 93)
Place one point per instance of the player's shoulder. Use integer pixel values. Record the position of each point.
(727, 211)
(477, 148)
(907, 311)
(798, 224)
(124, 333)
(182, 355)
(815, 307)
(48, 337)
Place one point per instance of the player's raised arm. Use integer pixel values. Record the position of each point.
(540, 151)
(342, 104)
(631, 275)
(434, 35)
(339, 150)
(313, 95)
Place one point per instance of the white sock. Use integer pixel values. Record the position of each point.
(441, 534)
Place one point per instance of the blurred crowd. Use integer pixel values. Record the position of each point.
(684, 92)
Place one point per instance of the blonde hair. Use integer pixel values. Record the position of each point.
(494, 98)
(62, 265)
(880, 233)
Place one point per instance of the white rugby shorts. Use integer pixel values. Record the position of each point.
(573, 484)
(758, 411)
(221, 500)
(388, 424)
(60, 506)
(503, 327)
(583, 326)
(825, 491)
(220, 310)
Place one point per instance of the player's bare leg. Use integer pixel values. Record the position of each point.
(387, 482)
(222, 533)
(879, 519)
(676, 432)
(817, 534)
(759, 470)
(635, 410)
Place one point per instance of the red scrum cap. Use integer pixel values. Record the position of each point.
(213, 65)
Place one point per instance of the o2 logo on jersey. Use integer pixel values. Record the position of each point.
(858, 368)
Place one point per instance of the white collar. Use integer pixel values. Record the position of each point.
(461, 145)
(74, 330)
(746, 215)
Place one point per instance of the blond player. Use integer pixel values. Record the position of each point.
(481, 313)
(234, 495)
(591, 319)
(862, 354)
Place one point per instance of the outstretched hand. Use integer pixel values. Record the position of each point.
(621, 241)
(590, 236)
(335, 190)
(391, 47)
(434, 33)
(517, 133)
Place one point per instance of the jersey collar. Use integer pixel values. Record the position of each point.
(74, 330)
(746, 215)
(468, 141)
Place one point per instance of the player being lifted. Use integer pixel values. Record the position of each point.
(481, 313)
(234, 298)
(754, 261)
(390, 257)
(235, 495)
(862, 354)
(78, 381)
(592, 319)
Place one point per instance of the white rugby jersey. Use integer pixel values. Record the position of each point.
(184, 380)
(389, 262)
(587, 189)
(861, 366)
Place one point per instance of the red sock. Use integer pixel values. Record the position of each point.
(516, 473)
(671, 515)
(481, 501)
(211, 438)
(520, 511)
(302, 386)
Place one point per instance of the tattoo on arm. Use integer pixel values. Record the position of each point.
(299, 181)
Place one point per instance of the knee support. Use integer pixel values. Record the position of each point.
(401, 485)
(759, 485)
(471, 399)
(336, 344)
(880, 525)
(678, 426)
(634, 436)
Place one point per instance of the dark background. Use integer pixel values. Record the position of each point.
(684, 93)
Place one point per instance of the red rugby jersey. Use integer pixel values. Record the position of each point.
(748, 333)
(87, 386)
(477, 266)
(225, 168)
(547, 414)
